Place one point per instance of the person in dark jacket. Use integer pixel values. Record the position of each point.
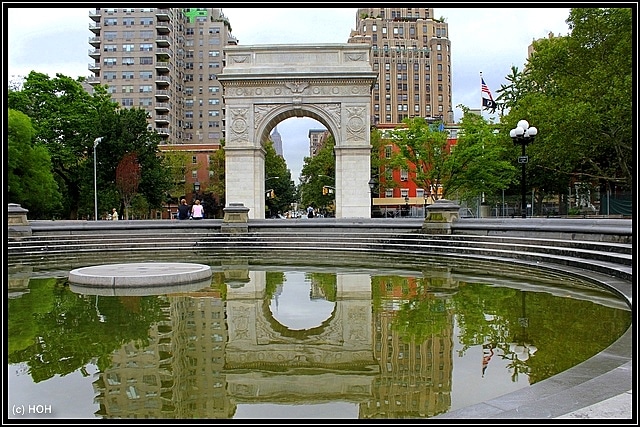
(183, 210)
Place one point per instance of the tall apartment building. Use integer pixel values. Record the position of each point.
(317, 138)
(165, 60)
(411, 51)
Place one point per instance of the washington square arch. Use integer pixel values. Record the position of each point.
(266, 84)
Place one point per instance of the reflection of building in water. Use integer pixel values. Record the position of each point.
(198, 348)
(179, 374)
(135, 384)
(415, 377)
(317, 292)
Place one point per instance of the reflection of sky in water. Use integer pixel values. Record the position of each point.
(293, 307)
(68, 396)
(275, 411)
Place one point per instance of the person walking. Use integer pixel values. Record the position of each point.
(197, 210)
(114, 214)
(183, 210)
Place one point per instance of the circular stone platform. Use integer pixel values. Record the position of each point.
(140, 274)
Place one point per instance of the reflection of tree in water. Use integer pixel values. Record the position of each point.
(56, 331)
(325, 283)
(560, 331)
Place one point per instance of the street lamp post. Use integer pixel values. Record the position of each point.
(523, 134)
(406, 205)
(372, 186)
(95, 180)
(196, 189)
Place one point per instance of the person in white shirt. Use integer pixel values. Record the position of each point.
(197, 210)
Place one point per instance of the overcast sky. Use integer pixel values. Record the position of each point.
(488, 40)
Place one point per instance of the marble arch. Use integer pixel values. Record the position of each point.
(266, 84)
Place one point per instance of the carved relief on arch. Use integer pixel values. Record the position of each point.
(296, 87)
(260, 111)
(333, 110)
(239, 125)
(356, 123)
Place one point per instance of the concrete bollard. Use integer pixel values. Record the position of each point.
(440, 215)
(236, 219)
(18, 224)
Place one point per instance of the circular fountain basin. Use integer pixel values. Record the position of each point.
(141, 274)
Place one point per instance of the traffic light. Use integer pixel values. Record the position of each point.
(326, 190)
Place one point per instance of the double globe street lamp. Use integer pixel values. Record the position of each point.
(524, 135)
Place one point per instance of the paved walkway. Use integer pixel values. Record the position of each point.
(619, 407)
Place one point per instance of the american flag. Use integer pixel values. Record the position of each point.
(485, 89)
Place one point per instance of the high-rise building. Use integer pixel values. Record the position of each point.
(411, 51)
(166, 61)
(277, 141)
(317, 138)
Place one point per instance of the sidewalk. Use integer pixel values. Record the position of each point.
(620, 407)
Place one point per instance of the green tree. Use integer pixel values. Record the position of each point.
(422, 150)
(217, 181)
(177, 164)
(479, 164)
(67, 119)
(30, 181)
(314, 173)
(578, 91)
(282, 186)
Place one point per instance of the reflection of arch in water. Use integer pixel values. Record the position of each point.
(334, 359)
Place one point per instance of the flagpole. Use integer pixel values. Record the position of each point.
(481, 107)
(480, 93)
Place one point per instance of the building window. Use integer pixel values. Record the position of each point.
(146, 88)
(404, 175)
(127, 102)
(128, 60)
(146, 47)
(387, 151)
(146, 60)
(145, 75)
(127, 89)
(404, 192)
(110, 61)
(110, 48)
(128, 47)
(388, 192)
